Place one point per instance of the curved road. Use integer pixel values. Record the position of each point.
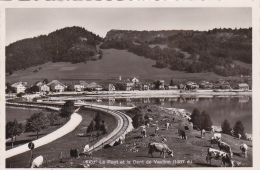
(124, 125)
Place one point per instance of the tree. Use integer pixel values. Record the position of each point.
(53, 118)
(67, 109)
(225, 126)
(239, 129)
(171, 83)
(13, 129)
(97, 120)
(36, 123)
(196, 118)
(138, 120)
(45, 81)
(157, 85)
(91, 127)
(206, 122)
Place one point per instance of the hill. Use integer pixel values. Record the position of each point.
(191, 51)
(71, 44)
(114, 63)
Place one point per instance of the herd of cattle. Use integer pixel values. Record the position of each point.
(224, 153)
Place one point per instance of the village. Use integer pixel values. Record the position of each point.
(132, 84)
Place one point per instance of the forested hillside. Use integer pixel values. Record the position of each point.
(71, 44)
(209, 51)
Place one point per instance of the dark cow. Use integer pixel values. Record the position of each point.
(159, 147)
(186, 128)
(74, 153)
(183, 134)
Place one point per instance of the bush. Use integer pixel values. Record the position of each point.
(201, 120)
(239, 129)
(138, 120)
(225, 126)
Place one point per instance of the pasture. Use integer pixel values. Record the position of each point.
(52, 150)
(114, 63)
(134, 150)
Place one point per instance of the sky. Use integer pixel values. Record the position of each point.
(24, 23)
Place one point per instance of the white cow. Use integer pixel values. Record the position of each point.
(86, 148)
(239, 136)
(217, 135)
(244, 148)
(167, 125)
(217, 154)
(159, 147)
(143, 133)
(37, 162)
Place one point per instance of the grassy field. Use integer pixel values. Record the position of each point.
(52, 150)
(21, 115)
(187, 153)
(114, 63)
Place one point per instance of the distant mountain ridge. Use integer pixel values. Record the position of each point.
(71, 44)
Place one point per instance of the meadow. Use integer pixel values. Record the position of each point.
(114, 63)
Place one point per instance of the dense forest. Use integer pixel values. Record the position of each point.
(71, 44)
(210, 51)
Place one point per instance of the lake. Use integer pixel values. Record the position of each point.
(232, 108)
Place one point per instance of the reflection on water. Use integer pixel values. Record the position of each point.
(232, 108)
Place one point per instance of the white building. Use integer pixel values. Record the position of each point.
(19, 87)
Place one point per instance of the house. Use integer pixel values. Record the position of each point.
(242, 86)
(146, 87)
(19, 87)
(225, 85)
(173, 87)
(56, 86)
(111, 87)
(135, 80)
(205, 85)
(93, 86)
(44, 88)
(161, 87)
(191, 85)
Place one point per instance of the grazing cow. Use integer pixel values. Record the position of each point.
(159, 147)
(239, 136)
(86, 148)
(164, 140)
(203, 133)
(143, 127)
(243, 148)
(167, 125)
(147, 125)
(154, 125)
(216, 154)
(225, 147)
(217, 135)
(157, 130)
(150, 119)
(183, 134)
(37, 162)
(143, 133)
(213, 141)
(186, 128)
(74, 153)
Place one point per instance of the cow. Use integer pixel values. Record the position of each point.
(217, 135)
(243, 148)
(186, 128)
(167, 125)
(159, 147)
(164, 140)
(183, 134)
(86, 148)
(37, 162)
(143, 133)
(239, 136)
(203, 133)
(74, 153)
(217, 154)
(213, 141)
(157, 130)
(225, 147)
